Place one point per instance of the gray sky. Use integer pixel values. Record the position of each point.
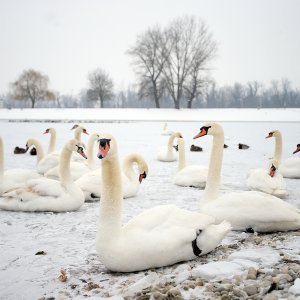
(65, 39)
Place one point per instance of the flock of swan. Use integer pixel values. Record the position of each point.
(162, 235)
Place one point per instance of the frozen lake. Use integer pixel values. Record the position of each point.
(69, 238)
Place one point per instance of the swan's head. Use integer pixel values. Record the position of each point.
(275, 133)
(210, 128)
(49, 130)
(79, 128)
(297, 149)
(107, 146)
(30, 143)
(94, 137)
(176, 135)
(75, 145)
(273, 166)
(143, 169)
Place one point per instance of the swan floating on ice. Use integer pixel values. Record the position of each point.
(168, 153)
(90, 183)
(44, 194)
(250, 211)
(193, 175)
(289, 168)
(158, 237)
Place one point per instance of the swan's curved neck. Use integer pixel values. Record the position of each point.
(111, 198)
(64, 167)
(39, 150)
(181, 158)
(77, 133)
(90, 151)
(1, 160)
(128, 168)
(213, 182)
(170, 143)
(278, 147)
(51, 147)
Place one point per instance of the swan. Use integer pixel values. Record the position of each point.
(168, 153)
(165, 131)
(268, 180)
(78, 169)
(77, 136)
(251, 210)
(90, 183)
(44, 194)
(158, 237)
(189, 175)
(52, 142)
(13, 178)
(289, 168)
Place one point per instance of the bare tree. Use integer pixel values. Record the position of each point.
(253, 90)
(149, 57)
(100, 86)
(32, 85)
(191, 49)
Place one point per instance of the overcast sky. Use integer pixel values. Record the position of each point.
(65, 39)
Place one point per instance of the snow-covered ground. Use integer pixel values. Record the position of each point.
(68, 239)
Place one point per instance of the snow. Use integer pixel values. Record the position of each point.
(295, 289)
(68, 239)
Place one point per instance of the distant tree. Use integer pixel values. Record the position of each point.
(149, 56)
(32, 85)
(238, 94)
(100, 86)
(191, 49)
(252, 91)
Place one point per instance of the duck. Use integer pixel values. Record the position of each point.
(268, 180)
(250, 211)
(289, 168)
(52, 142)
(160, 236)
(168, 153)
(90, 183)
(13, 178)
(78, 168)
(165, 131)
(193, 175)
(19, 150)
(44, 194)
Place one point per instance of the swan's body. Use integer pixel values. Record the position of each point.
(256, 210)
(165, 131)
(90, 183)
(193, 175)
(168, 153)
(158, 237)
(13, 178)
(289, 168)
(45, 194)
(78, 168)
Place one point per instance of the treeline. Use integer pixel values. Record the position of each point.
(172, 68)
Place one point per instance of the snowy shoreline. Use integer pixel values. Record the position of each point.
(108, 115)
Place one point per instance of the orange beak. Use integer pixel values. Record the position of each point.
(269, 136)
(297, 150)
(103, 151)
(272, 171)
(201, 133)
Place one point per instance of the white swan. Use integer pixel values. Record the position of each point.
(44, 194)
(78, 169)
(245, 210)
(79, 130)
(165, 131)
(289, 168)
(268, 180)
(158, 237)
(192, 175)
(90, 183)
(13, 178)
(168, 153)
(52, 142)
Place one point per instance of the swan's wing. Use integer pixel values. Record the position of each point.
(48, 162)
(192, 176)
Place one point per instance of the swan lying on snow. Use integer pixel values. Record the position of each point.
(157, 237)
(290, 168)
(168, 153)
(90, 183)
(13, 178)
(250, 211)
(44, 194)
(268, 180)
(193, 175)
